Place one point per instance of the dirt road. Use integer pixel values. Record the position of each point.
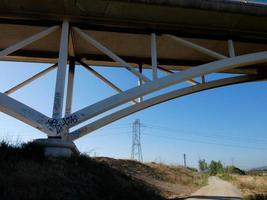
(217, 189)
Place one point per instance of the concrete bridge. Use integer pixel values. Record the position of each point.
(186, 39)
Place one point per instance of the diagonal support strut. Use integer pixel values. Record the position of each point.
(102, 78)
(27, 41)
(109, 53)
(26, 82)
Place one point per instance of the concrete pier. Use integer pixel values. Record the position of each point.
(58, 147)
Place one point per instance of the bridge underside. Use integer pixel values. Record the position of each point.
(186, 41)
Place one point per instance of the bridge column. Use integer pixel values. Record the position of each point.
(69, 95)
(70, 87)
(61, 73)
(57, 144)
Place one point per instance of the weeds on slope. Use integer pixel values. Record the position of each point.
(25, 173)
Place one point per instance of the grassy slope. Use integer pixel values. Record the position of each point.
(26, 174)
(171, 181)
(253, 187)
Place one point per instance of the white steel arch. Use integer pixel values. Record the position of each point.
(58, 126)
(160, 99)
(149, 87)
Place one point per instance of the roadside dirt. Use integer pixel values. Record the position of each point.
(171, 182)
(217, 189)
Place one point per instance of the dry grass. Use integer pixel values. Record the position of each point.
(25, 173)
(251, 185)
(170, 181)
(179, 175)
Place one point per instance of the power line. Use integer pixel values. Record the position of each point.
(167, 129)
(214, 136)
(201, 142)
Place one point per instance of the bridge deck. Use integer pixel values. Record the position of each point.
(125, 27)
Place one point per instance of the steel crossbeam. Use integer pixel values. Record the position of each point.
(59, 126)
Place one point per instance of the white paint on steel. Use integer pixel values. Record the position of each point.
(69, 96)
(102, 78)
(197, 47)
(149, 87)
(61, 72)
(26, 82)
(60, 126)
(139, 83)
(191, 81)
(27, 41)
(109, 53)
(24, 113)
(157, 100)
(154, 61)
(231, 48)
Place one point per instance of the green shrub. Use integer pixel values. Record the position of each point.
(215, 167)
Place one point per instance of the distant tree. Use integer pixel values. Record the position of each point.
(202, 165)
(215, 167)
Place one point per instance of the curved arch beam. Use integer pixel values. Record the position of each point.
(149, 87)
(24, 113)
(160, 99)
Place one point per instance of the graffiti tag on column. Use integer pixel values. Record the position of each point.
(61, 124)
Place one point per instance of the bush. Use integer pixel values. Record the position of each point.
(215, 168)
(16, 152)
(202, 165)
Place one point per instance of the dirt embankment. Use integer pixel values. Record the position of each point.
(25, 173)
(169, 181)
(251, 185)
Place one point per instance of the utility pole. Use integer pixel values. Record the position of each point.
(136, 153)
(184, 160)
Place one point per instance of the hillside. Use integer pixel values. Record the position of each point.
(252, 186)
(258, 171)
(264, 168)
(170, 181)
(25, 173)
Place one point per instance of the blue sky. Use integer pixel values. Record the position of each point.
(264, 1)
(227, 124)
(257, 1)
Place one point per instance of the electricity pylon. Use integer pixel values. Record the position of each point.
(136, 141)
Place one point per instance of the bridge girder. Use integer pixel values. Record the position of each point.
(58, 126)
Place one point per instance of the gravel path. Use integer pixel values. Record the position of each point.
(217, 189)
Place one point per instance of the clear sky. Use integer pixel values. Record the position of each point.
(227, 124)
(259, 1)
